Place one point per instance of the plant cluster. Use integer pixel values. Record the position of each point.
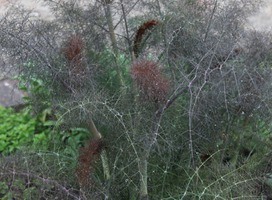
(19, 129)
(171, 104)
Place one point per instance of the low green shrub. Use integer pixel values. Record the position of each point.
(20, 128)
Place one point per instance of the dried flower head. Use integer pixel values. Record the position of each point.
(88, 155)
(140, 34)
(150, 80)
(73, 48)
(73, 51)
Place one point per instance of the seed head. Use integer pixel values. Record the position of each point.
(148, 77)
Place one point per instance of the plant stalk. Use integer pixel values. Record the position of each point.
(143, 177)
(104, 157)
(112, 34)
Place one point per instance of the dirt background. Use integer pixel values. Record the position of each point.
(38, 8)
(261, 21)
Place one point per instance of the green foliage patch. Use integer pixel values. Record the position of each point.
(18, 129)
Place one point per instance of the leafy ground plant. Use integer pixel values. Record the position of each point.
(20, 129)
